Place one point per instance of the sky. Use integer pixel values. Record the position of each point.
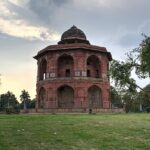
(27, 26)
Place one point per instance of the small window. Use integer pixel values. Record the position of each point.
(67, 72)
(88, 73)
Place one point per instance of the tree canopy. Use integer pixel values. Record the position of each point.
(144, 97)
(8, 100)
(25, 98)
(137, 59)
(116, 98)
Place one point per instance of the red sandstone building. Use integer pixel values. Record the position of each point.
(73, 74)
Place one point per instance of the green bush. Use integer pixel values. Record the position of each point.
(9, 110)
(148, 109)
(16, 110)
(12, 110)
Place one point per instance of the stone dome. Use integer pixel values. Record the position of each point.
(73, 35)
(73, 32)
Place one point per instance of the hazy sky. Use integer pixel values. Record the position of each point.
(26, 26)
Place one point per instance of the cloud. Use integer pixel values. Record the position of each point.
(5, 11)
(12, 24)
(117, 21)
(115, 24)
(106, 4)
(19, 2)
(144, 27)
(50, 11)
(132, 37)
(19, 28)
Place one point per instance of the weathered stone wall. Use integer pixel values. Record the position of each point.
(55, 78)
(79, 110)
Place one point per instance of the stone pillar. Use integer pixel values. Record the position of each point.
(52, 66)
(80, 64)
(105, 96)
(79, 97)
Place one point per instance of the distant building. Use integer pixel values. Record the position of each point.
(73, 74)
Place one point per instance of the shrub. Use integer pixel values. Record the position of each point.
(9, 110)
(16, 109)
(12, 110)
(148, 109)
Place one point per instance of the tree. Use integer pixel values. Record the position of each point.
(120, 72)
(116, 98)
(32, 103)
(29, 104)
(25, 98)
(144, 98)
(137, 59)
(144, 57)
(8, 100)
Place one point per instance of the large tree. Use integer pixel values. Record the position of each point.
(25, 98)
(144, 98)
(8, 100)
(137, 59)
(32, 103)
(116, 98)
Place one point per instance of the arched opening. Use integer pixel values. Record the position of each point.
(42, 71)
(65, 97)
(65, 66)
(42, 98)
(93, 67)
(94, 97)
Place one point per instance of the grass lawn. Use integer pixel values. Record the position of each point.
(75, 132)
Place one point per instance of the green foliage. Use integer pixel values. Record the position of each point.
(29, 104)
(32, 103)
(129, 100)
(14, 110)
(144, 97)
(120, 72)
(148, 109)
(145, 56)
(8, 100)
(139, 60)
(25, 98)
(115, 98)
(9, 110)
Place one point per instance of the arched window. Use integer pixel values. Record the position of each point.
(65, 66)
(65, 97)
(94, 97)
(43, 70)
(42, 98)
(93, 67)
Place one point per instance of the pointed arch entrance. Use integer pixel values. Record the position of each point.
(94, 97)
(65, 97)
(42, 98)
(43, 70)
(93, 67)
(65, 66)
